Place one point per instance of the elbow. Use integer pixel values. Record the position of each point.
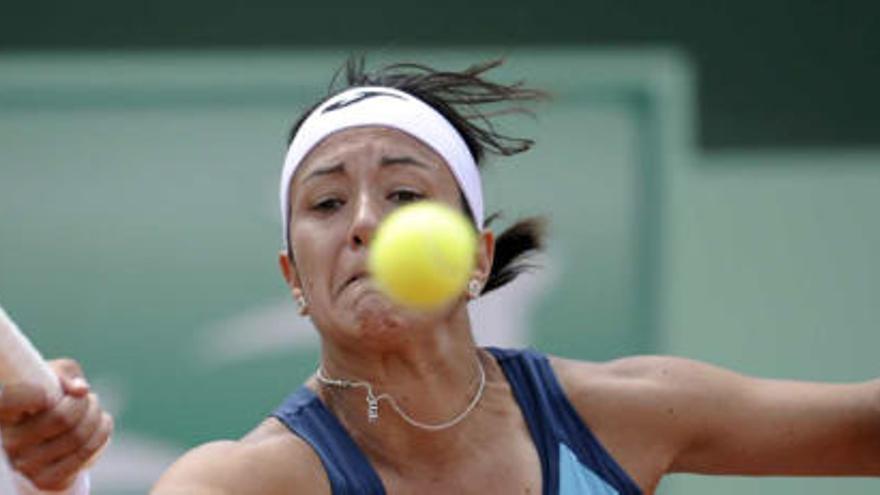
(874, 431)
(875, 410)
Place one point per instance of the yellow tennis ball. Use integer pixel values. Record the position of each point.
(422, 255)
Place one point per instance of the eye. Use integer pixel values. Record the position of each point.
(327, 205)
(405, 196)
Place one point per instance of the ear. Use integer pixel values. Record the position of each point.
(291, 277)
(485, 256)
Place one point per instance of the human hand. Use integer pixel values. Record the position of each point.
(50, 440)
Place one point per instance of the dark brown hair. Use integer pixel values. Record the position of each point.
(469, 102)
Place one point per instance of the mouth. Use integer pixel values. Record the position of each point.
(359, 275)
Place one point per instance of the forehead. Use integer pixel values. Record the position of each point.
(370, 144)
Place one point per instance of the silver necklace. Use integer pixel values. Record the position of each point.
(373, 400)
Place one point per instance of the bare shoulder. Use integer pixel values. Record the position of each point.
(638, 377)
(636, 406)
(267, 460)
(688, 416)
(656, 393)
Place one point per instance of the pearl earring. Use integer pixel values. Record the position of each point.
(301, 303)
(474, 288)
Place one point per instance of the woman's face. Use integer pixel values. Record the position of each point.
(339, 195)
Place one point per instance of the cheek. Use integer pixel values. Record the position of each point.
(313, 250)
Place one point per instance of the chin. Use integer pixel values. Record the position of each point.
(375, 316)
(377, 320)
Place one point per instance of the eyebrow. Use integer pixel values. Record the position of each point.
(402, 160)
(336, 168)
(386, 161)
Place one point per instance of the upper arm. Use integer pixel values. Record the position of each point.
(689, 416)
(742, 425)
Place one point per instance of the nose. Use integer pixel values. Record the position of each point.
(366, 218)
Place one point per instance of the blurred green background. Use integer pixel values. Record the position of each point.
(712, 176)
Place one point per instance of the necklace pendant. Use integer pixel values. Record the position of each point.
(372, 410)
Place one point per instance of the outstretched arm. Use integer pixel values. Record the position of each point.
(743, 425)
(703, 419)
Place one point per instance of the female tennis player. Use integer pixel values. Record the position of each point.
(406, 402)
(49, 443)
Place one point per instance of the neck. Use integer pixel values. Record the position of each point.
(433, 376)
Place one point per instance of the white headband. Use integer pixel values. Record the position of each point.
(386, 107)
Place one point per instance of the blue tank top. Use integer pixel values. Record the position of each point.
(572, 459)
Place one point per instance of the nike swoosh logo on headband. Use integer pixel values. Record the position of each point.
(356, 97)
